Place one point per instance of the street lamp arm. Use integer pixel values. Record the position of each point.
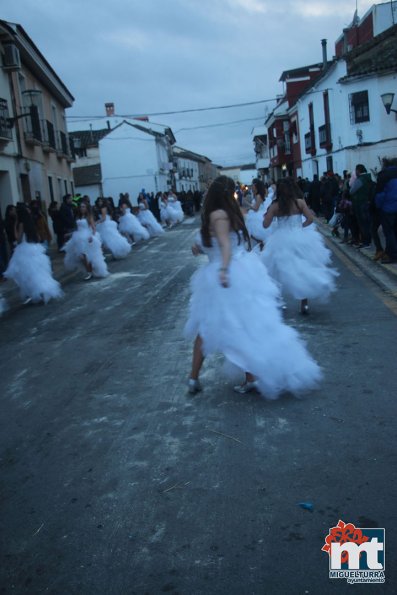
(11, 121)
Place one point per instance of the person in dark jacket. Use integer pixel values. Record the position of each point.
(360, 192)
(67, 218)
(57, 226)
(386, 201)
(329, 195)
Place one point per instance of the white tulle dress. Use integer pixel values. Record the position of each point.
(117, 244)
(165, 214)
(30, 268)
(131, 225)
(85, 242)
(244, 322)
(175, 210)
(149, 221)
(254, 221)
(297, 258)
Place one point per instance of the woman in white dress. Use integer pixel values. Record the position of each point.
(29, 266)
(256, 212)
(117, 244)
(295, 254)
(84, 249)
(175, 208)
(235, 309)
(165, 214)
(147, 218)
(130, 226)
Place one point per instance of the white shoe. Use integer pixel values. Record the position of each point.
(88, 277)
(247, 387)
(194, 386)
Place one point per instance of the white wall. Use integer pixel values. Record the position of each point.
(383, 16)
(92, 191)
(188, 183)
(347, 150)
(129, 161)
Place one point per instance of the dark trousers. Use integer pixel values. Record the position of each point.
(389, 222)
(375, 223)
(361, 211)
(3, 256)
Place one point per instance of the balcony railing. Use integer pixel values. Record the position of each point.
(324, 133)
(5, 129)
(48, 135)
(310, 144)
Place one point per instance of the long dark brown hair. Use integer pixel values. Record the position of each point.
(288, 192)
(25, 218)
(220, 195)
(260, 187)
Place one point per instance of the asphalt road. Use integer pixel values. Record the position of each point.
(114, 480)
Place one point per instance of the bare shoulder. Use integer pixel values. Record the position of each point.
(301, 202)
(218, 215)
(273, 209)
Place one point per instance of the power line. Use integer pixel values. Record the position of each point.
(262, 118)
(184, 111)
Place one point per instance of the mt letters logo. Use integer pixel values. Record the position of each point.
(357, 555)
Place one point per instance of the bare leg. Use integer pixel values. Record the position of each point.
(248, 386)
(88, 266)
(198, 358)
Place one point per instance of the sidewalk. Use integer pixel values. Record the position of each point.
(384, 275)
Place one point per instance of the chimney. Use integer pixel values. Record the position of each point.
(325, 61)
(109, 107)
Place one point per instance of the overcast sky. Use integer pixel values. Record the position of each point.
(150, 56)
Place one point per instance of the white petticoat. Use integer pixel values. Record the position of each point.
(297, 258)
(84, 242)
(244, 323)
(30, 268)
(131, 225)
(117, 244)
(149, 221)
(175, 211)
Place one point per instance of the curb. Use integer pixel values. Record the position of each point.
(385, 276)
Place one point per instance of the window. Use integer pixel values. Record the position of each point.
(330, 163)
(359, 107)
(66, 186)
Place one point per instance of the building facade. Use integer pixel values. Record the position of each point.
(35, 155)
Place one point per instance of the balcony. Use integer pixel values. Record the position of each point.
(310, 145)
(324, 133)
(48, 136)
(5, 129)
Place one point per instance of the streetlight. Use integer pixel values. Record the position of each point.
(32, 94)
(387, 99)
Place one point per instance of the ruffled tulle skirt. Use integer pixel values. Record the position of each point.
(117, 244)
(85, 243)
(131, 225)
(30, 268)
(149, 221)
(254, 223)
(175, 212)
(299, 261)
(244, 323)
